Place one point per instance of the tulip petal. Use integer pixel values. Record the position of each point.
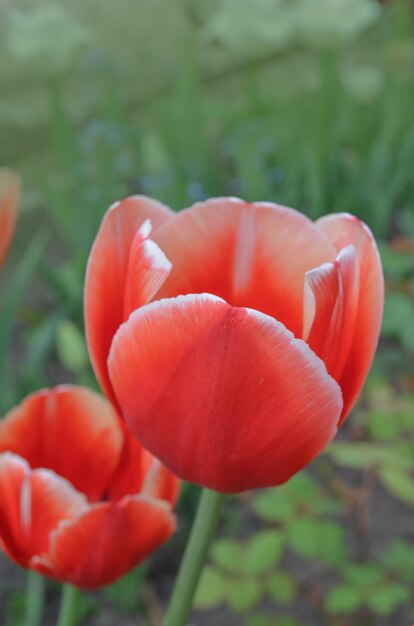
(139, 472)
(68, 429)
(131, 469)
(330, 308)
(9, 198)
(344, 229)
(107, 541)
(225, 397)
(252, 255)
(53, 500)
(160, 482)
(124, 270)
(32, 504)
(13, 472)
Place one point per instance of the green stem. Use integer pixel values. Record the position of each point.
(69, 606)
(194, 557)
(35, 594)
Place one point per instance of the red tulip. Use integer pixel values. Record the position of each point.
(9, 196)
(235, 340)
(80, 500)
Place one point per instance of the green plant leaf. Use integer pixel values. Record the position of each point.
(398, 316)
(303, 536)
(10, 307)
(343, 599)
(282, 587)
(384, 426)
(273, 508)
(398, 482)
(71, 347)
(263, 551)
(302, 488)
(399, 559)
(244, 594)
(228, 553)
(332, 549)
(211, 590)
(364, 574)
(386, 599)
(363, 455)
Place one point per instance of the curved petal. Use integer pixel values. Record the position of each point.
(107, 541)
(9, 199)
(139, 472)
(344, 229)
(68, 429)
(160, 483)
(13, 473)
(130, 471)
(124, 271)
(330, 307)
(225, 397)
(32, 504)
(252, 255)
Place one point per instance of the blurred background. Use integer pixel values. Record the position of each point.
(308, 103)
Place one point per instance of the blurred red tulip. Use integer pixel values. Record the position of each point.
(9, 197)
(80, 500)
(236, 340)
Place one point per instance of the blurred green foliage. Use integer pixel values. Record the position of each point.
(315, 519)
(310, 108)
(303, 102)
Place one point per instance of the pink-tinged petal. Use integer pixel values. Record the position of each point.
(107, 541)
(139, 472)
(330, 308)
(13, 472)
(47, 501)
(124, 271)
(32, 504)
(132, 467)
(160, 483)
(225, 397)
(9, 200)
(68, 429)
(344, 229)
(252, 255)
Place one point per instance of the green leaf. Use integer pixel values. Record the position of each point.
(397, 265)
(71, 347)
(399, 559)
(244, 594)
(383, 426)
(332, 549)
(263, 551)
(282, 587)
(10, 307)
(211, 590)
(228, 553)
(343, 599)
(272, 508)
(398, 316)
(399, 483)
(363, 455)
(385, 600)
(303, 536)
(303, 489)
(364, 574)
(312, 538)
